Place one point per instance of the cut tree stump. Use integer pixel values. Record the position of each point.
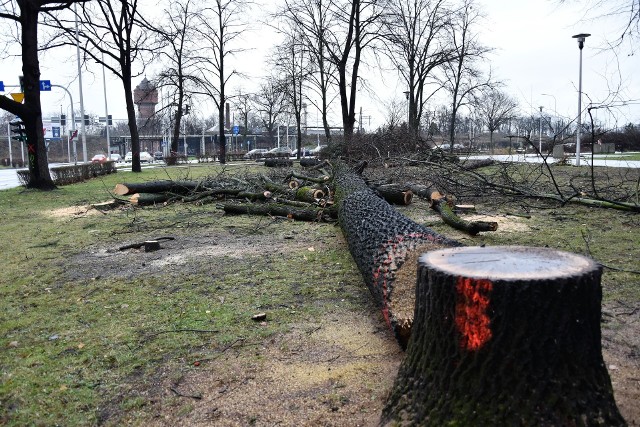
(504, 336)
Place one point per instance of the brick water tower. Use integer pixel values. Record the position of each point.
(145, 96)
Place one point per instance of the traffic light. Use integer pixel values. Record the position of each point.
(86, 120)
(109, 120)
(187, 109)
(18, 131)
(63, 120)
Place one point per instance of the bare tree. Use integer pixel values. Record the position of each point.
(115, 35)
(219, 28)
(178, 51)
(25, 14)
(495, 108)
(311, 19)
(292, 62)
(418, 43)
(461, 78)
(270, 103)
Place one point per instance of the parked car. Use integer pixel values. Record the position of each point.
(145, 156)
(99, 158)
(158, 155)
(256, 153)
(280, 152)
(115, 157)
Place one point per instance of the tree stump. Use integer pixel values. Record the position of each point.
(504, 336)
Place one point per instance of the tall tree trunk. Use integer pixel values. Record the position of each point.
(39, 176)
(385, 245)
(505, 336)
(133, 125)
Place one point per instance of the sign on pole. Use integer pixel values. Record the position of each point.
(18, 97)
(236, 129)
(45, 85)
(1, 86)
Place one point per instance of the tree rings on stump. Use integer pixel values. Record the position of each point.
(504, 336)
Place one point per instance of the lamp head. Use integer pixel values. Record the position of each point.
(581, 37)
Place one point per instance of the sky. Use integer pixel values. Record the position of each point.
(534, 56)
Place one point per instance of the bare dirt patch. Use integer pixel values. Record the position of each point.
(335, 372)
(73, 211)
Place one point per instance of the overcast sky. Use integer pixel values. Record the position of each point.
(534, 55)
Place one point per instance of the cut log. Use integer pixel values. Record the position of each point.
(385, 246)
(309, 194)
(277, 162)
(440, 205)
(306, 162)
(421, 190)
(275, 209)
(164, 186)
(395, 194)
(144, 199)
(504, 336)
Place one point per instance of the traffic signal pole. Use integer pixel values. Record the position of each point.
(9, 141)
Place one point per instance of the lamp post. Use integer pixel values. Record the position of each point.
(540, 132)
(82, 124)
(555, 110)
(581, 37)
(406, 94)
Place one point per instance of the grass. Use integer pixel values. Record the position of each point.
(77, 346)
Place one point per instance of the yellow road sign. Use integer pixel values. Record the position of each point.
(18, 97)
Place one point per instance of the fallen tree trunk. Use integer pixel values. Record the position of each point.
(385, 246)
(309, 213)
(164, 186)
(505, 336)
(441, 205)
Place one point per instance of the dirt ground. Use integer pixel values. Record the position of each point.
(333, 370)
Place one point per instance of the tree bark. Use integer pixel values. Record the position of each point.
(385, 246)
(176, 187)
(303, 214)
(505, 336)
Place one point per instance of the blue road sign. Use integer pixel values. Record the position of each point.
(1, 86)
(236, 129)
(45, 84)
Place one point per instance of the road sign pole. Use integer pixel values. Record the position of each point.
(82, 127)
(9, 141)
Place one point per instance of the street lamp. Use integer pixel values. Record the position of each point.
(581, 37)
(555, 111)
(406, 95)
(540, 134)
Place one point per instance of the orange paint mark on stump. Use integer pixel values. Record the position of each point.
(472, 319)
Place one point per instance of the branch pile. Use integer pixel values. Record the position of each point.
(297, 196)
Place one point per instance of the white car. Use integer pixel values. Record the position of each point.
(145, 156)
(115, 157)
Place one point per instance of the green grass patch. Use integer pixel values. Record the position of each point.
(83, 336)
